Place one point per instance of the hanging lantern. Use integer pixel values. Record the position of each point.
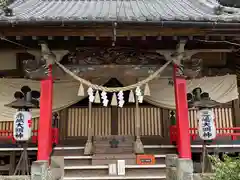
(206, 127)
(22, 126)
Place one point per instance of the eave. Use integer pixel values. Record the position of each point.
(162, 23)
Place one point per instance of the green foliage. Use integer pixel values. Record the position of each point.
(3, 3)
(229, 169)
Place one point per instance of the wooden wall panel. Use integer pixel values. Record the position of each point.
(78, 121)
(101, 118)
(150, 121)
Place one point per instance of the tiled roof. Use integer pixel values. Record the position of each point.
(121, 10)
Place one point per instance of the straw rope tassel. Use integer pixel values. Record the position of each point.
(138, 145)
(89, 145)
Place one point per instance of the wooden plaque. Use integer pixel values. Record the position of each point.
(146, 159)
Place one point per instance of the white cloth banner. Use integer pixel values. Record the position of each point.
(64, 95)
(222, 89)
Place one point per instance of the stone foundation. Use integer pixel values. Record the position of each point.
(182, 169)
(15, 178)
(202, 176)
(178, 168)
(40, 170)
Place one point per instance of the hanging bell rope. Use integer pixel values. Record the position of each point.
(89, 145)
(115, 89)
(138, 145)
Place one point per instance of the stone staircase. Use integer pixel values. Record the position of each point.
(109, 149)
(105, 162)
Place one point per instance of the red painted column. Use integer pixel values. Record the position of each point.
(183, 134)
(45, 122)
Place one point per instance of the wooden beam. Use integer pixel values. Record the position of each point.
(236, 113)
(133, 42)
(12, 162)
(100, 31)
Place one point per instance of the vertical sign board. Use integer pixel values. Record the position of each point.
(121, 167)
(22, 129)
(206, 125)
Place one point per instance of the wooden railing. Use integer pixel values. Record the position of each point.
(8, 125)
(232, 132)
(7, 135)
(6, 132)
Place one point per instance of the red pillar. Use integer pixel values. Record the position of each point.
(183, 142)
(45, 122)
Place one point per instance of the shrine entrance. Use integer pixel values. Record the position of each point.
(113, 120)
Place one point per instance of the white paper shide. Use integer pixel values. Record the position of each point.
(22, 129)
(206, 125)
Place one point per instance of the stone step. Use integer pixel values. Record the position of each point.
(102, 171)
(80, 162)
(160, 177)
(87, 160)
(89, 167)
(109, 150)
(65, 151)
(109, 138)
(101, 159)
(149, 149)
(160, 149)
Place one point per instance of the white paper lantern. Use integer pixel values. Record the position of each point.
(206, 125)
(22, 126)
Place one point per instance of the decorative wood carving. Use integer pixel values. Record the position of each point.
(106, 56)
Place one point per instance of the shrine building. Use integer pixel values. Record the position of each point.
(119, 80)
